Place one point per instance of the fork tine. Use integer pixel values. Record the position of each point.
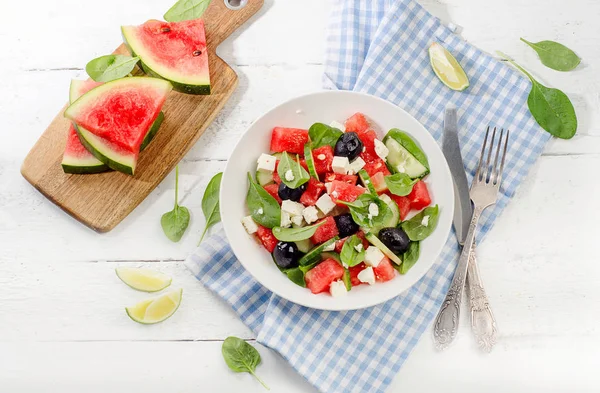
(478, 172)
(495, 169)
(488, 170)
(503, 157)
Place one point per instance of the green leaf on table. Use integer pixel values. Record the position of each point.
(321, 134)
(186, 10)
(400, 183)
(175, 222)
(551, 108)
(290, 171)
(110, 67)
(210, 203)
(241, 357)
(555, 55)
(264, 209)
(423, 224)
(350, 255)
(409, 258)
(295, 234)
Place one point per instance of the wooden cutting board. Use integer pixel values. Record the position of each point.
(103, 200)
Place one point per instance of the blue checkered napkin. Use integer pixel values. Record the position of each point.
(380, 47)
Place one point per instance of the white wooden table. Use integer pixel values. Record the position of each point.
(62, 323)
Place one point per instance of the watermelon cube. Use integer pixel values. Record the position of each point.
(357, 123)
(375, 166)
(319, 278)
(403, 204)
(368, 139)
(323, 157)
(354, 270)
(378, 181)
(291, 140)
(314, 189)
(384, 271)
(266, 237)
(342, 191)
(273, 189)
(419, 196)
(326, 231)
(350, 179)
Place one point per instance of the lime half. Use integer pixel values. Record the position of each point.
(143, 279)
(156, 310)
(447, 68)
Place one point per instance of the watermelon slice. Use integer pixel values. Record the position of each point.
(173, 51)
(114, 119)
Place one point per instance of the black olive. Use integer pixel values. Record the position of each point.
(286, 255)
(292, 194)
(395, 239)
(345, 225)
(349, 145)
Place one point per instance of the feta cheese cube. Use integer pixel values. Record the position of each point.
(328, 187)
(358, 247)
(338, 288)
(373, 256)
(381, 149)
(367, 276)
(289, 176)
(291, 207)
(330, 247)
(425, 221)
(356, 166)
(325, 204)
(340, 165)
(338, 125)
(286, 220)
(297, 221)
(310, 214)
(266, 163)
(249, 225)
(373, 210)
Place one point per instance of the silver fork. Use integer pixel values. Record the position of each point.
(484, 193)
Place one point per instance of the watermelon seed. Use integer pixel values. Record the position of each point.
(166, 29)
(197, 53)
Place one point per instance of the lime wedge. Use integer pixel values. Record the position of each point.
(156, 310)
(143, 279)
(447, 68)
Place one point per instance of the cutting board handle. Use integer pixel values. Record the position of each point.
(220, 21)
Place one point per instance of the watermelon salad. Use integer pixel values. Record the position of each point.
(338, 207)
(112, 122)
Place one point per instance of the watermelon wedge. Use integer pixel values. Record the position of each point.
(114, 119)
(173, 51)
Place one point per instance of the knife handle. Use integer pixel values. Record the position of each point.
(483, 323)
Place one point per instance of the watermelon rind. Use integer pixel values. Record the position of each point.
(190, 84)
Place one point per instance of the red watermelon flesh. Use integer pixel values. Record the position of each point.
(350, 179)
(357, 123)
(323, 157)
(314, 189)
(319, 278)
(273, 189)
(342, 191)
(326, 231)
(384, 271)
(291, 140)
(403, 204)
(121, 111)
(354, 270)
(368, 139)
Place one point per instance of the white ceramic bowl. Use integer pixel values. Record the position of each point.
(302, 112)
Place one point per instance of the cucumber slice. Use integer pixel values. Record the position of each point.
(277, 155)
(314, 255)
(393, 217)
(366, 181)
(333, 255)
(264, 178)
(374, 240)
(310, 162)
(401, 161)
(304, 246)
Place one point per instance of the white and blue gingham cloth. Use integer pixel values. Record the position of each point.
(379, 47)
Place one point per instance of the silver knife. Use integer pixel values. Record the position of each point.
(483, 323)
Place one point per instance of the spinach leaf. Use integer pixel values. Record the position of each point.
(175, 222)
(288, 166)
(264, 209)
(551, 108)
(110, 67)
(554, 55)
(347, 280)
(296, 275)
(321, 134)
(295, 234)
(186, 10)
(313, 257)
(359, 209)
(241, 357)
(409, 258)
(419, 227)
(409, 144)
(349, 255)
(400, 183)
(210, 203)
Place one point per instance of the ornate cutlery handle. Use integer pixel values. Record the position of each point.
(446, 322)
(483, 323)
